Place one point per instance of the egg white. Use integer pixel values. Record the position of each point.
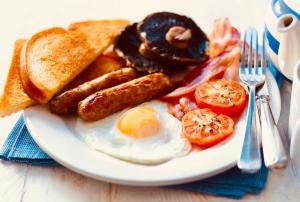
(104, 136)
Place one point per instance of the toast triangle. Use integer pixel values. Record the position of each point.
(93, 27)
(14, 97)
(54, 57)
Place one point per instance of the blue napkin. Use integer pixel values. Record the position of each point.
(232, 183)
(20, 147)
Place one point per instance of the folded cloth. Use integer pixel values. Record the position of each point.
(20, 147)
(232, 183)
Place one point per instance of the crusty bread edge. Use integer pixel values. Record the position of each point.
(75, 25)
(33, 90)
(6, 109)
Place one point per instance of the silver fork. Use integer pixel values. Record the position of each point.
(250, 159)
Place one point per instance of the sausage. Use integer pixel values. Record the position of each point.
(111, 100)
(67, 102)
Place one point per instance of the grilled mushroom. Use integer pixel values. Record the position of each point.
(172, 39)
(127, 46)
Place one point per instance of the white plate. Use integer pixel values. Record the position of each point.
(55, 136)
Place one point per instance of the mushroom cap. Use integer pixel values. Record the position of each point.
(153, 30)
(127, 46)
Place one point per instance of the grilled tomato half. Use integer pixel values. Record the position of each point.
(206, 128)
(222, 96)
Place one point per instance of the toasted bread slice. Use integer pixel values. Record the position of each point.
(54, 57)
(103, 63)
(93, 27)
(14, 97)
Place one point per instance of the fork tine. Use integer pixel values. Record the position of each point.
(242, 68)
(264, 57)
(255, 41)
(250, 52)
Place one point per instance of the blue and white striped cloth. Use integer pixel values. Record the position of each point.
(20, 147)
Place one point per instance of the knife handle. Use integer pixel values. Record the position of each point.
(274, 152)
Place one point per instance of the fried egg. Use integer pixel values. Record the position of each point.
(145, 134)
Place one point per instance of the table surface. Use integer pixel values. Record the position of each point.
(20, 19)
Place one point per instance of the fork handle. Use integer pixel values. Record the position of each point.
(274, 153)
(250, 159)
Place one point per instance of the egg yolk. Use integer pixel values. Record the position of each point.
(139, 122)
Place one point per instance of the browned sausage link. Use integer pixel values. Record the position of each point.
(111, 100)
(67, 102)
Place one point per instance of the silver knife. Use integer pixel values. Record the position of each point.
(274, 152)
